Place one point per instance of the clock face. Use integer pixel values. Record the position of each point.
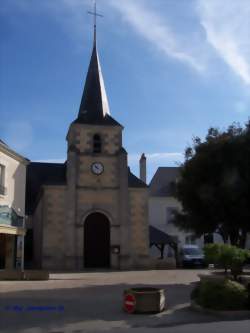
(97, 168)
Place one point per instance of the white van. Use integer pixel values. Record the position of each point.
(191, 255)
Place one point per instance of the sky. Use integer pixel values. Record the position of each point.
(172, 69)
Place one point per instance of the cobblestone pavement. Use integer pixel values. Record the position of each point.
(92, 302)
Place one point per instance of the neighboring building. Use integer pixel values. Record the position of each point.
(12, 203)
(90, 211)
(162, 204)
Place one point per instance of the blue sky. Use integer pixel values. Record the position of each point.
(172, 69)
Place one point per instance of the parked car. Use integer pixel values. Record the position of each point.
(191, 255)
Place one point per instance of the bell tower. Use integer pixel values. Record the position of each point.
(97, 173)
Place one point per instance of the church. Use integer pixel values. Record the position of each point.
(91, 211)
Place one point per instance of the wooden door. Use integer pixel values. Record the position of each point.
(97, 241)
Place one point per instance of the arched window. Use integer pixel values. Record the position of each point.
(97, 144)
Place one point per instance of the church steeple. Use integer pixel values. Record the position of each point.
(94, 107)
(94, 104)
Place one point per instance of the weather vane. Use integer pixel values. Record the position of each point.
(95, 14)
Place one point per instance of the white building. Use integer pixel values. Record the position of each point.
(162, 203)
(12, 203)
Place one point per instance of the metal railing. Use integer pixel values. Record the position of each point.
(9, 217)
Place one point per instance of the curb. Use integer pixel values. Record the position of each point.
(229, 314)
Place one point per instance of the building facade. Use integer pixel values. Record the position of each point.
(12, 203)
(91, 211)
(162, 204)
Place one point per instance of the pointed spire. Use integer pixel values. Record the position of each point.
(94, 103)
(94, 107)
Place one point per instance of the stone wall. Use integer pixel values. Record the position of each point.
(64, 209)
(109, 177)
(81, 137)
(53, 227)
(138, 202)
(37, 223)
(103, 201)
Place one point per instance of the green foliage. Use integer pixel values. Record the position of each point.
(227, 256)
(214, 183)
(224, 295)
(211, 252)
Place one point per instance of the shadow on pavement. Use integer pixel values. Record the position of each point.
(101, 304)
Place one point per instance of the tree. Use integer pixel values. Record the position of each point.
(214, 185)
(227, 256)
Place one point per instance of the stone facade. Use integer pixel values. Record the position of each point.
(60, 215)
(97, 184)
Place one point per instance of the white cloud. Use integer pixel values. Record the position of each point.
(157, 158)
(227, 27)
(154, 29)
(154, 161)
(52, 160)
(149, 24)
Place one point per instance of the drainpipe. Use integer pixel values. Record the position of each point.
(22, 252)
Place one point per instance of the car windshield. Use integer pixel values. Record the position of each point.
(192, 251)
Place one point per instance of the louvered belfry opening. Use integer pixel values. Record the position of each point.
(97, 143)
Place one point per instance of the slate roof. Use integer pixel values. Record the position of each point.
(94, 107)
(39, 174)
(163, 181)
(106, 120)
(134, 181)
(157, 236)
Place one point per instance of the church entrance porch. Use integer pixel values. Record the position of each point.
(97, 241)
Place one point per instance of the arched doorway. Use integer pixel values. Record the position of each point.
(96, 241)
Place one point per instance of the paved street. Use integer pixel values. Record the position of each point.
(92, 302)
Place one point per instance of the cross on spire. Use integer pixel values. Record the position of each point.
(95, 15)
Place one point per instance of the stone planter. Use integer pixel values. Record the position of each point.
(144, 300)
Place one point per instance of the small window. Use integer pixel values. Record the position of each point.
(2, 179)
(97, 144)
(170, 213)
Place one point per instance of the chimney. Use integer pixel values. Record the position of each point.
(143, 168)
